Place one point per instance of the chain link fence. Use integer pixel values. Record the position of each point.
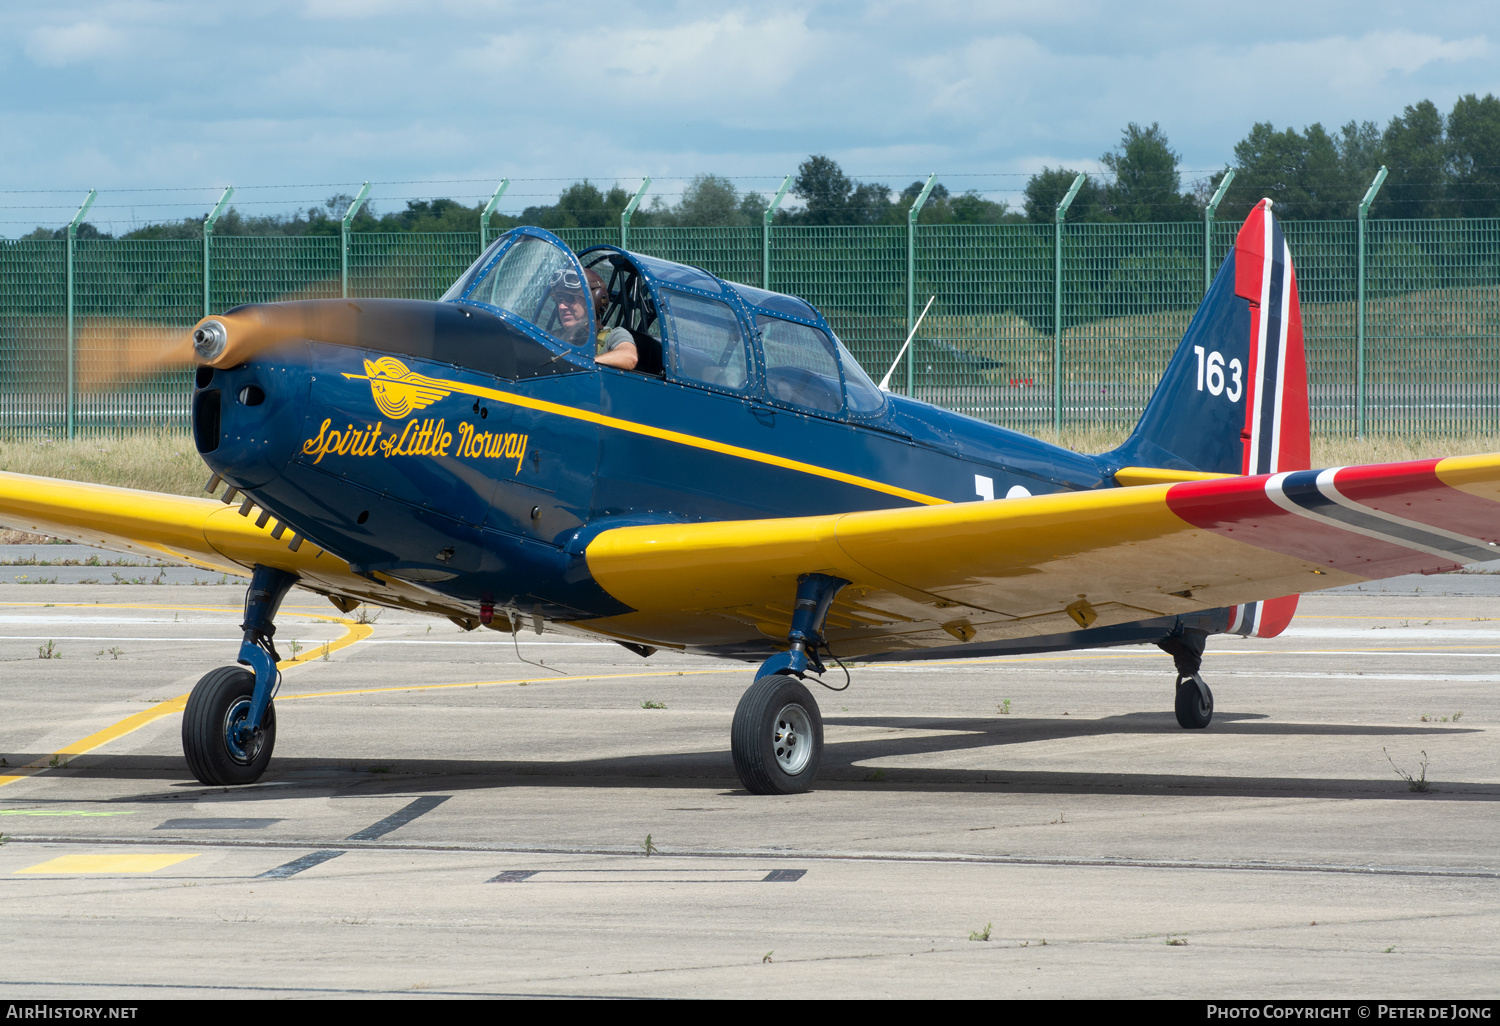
(1007, 340)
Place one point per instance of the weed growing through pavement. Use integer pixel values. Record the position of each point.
(1004, 707)
(365, 616)
(116, 652)
(48, 651)
(325, 650)
(764, 958)
(1176, 942)
(1413, 783)
(648, 704)
(649, 848)
(295, 648)
(982, 935)
(876, 777)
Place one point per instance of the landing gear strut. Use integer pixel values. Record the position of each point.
(229, 725)
(777, 736)
(1195, 702)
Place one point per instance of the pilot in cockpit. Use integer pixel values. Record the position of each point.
(616, 347)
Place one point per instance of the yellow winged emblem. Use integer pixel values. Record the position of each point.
(398, 390)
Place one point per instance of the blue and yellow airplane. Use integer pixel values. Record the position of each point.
(739, 487)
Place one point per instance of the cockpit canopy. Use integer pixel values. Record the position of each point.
(688, 325)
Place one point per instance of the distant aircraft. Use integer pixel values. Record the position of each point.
(746, 491)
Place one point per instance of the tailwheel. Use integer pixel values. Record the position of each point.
(777, 736)
(1195, 702)
(219, 748)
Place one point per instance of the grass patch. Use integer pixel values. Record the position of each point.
(154, 461)
(1414, 782)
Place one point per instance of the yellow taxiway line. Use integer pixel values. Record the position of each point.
(353, 632)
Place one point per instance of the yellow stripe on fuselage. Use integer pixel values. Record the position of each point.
(543, 406)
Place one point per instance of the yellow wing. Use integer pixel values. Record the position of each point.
(204, 533)
(987, 571)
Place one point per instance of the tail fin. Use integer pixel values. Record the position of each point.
(1234, 397)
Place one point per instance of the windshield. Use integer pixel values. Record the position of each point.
(456, 290)
(540, 282)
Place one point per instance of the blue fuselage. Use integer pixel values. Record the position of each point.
(488, 493)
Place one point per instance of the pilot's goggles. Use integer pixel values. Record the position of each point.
(565, 279)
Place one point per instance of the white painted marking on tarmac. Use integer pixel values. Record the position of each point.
(387, 641)
(1391, 633)
(188, 619)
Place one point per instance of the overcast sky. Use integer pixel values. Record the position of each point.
(441, 97)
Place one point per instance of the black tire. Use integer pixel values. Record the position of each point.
(1193, 712)
(223, 693)
(761, 720)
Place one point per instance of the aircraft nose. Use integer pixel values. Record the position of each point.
(247, 420)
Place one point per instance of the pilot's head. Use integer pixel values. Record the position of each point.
(598, 291)
(567, 292)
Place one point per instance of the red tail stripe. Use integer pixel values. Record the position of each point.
(1275, 615)
(1250, 254)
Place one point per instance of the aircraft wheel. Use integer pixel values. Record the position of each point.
(777, 737)
(220, 701)
(1194, 707)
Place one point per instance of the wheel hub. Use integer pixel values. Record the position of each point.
(791, 738)
(242, 744)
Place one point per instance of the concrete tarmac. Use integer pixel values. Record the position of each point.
(443, 817)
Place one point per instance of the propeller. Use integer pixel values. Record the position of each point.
(115, 352)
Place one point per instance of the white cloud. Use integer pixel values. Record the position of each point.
(151, 93)
(60, 46)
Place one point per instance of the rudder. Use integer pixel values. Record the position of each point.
(1234, 396)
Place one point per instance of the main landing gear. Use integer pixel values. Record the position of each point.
(1195, 702)
(229, 725)
(777, 736)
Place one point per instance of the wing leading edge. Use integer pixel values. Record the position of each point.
(924, 577)
(203, 533)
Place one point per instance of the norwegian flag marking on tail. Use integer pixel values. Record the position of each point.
(1277, 427)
